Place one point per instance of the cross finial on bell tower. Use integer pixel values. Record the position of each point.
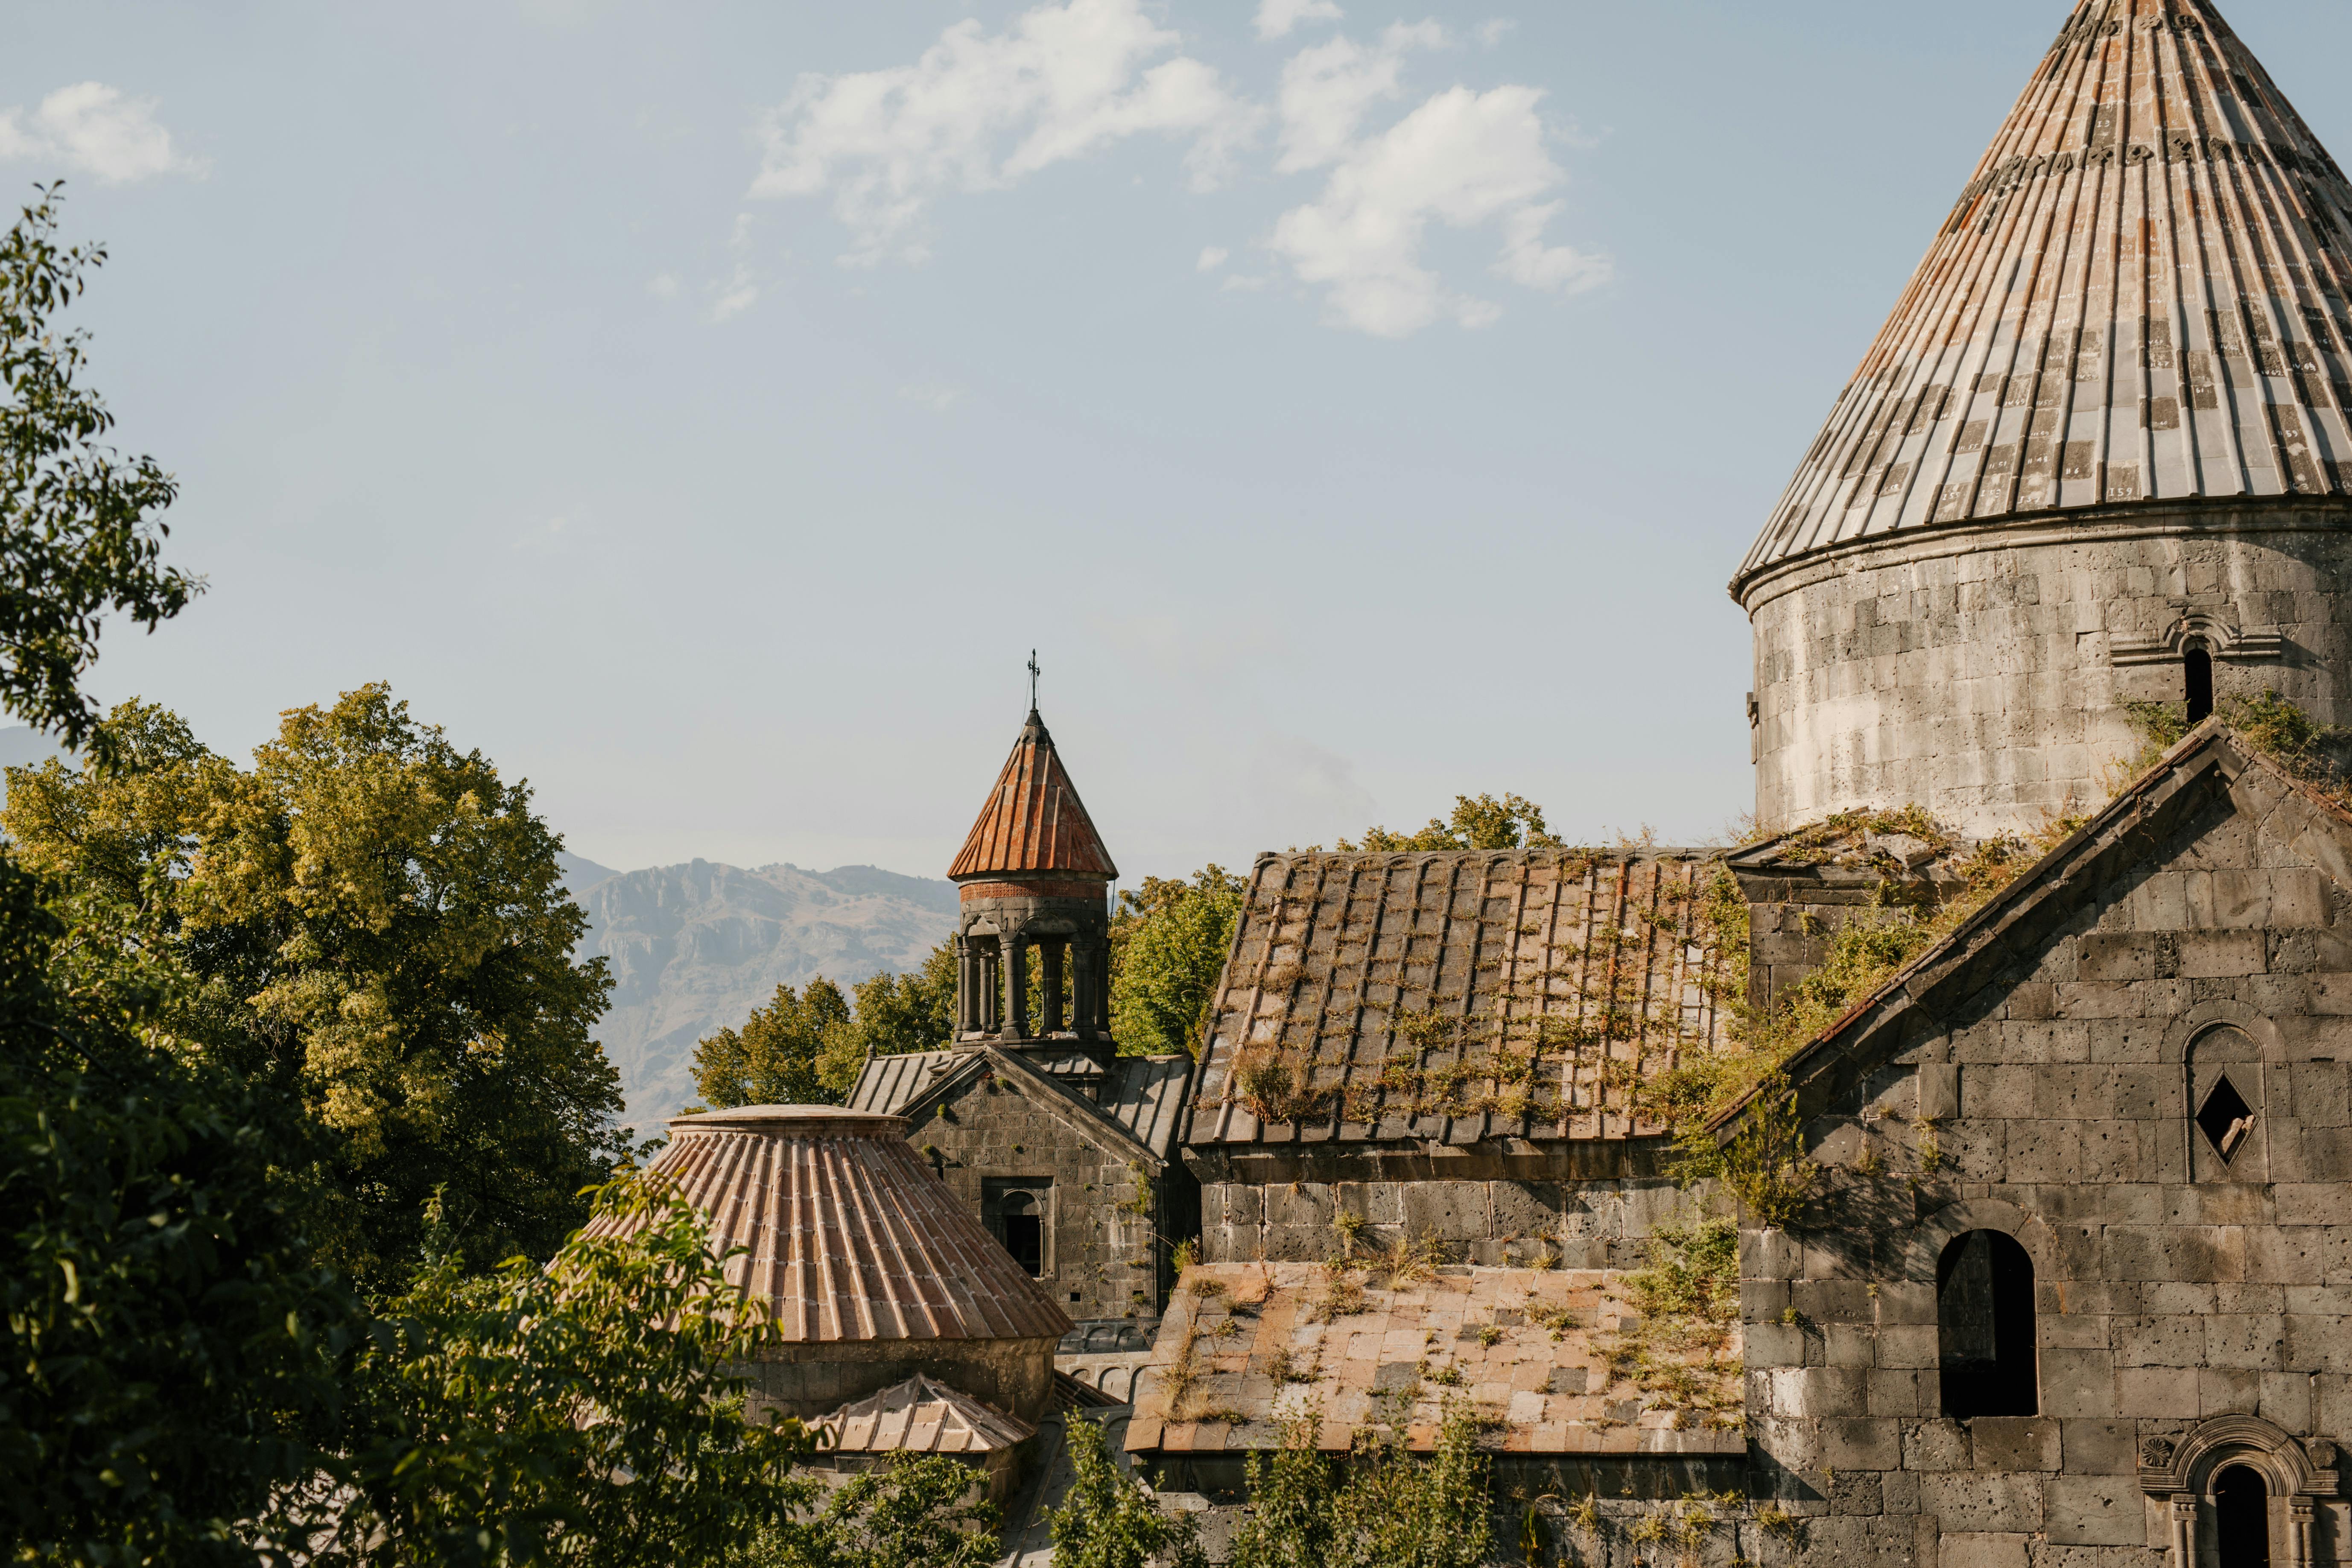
(1032, 680)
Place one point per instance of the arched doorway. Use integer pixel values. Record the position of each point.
(1984, 1314)
(2241, 1518)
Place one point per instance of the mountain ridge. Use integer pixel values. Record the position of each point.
(694, 947)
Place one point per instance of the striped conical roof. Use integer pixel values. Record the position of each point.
(2138, 299)
(1033, 820)
(848, 1236)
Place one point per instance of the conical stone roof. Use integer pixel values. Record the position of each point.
(2139, 297)
(848, 1236)
(1034, 821)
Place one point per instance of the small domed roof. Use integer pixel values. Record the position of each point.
(849, 1235)
(2139, 297)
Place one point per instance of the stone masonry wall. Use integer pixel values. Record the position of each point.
(1102, 1257)
(1978, 683)
(2170, 1288)
(1586, 1225)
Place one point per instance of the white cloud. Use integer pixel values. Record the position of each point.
(1463, 158)
(978, 112)
(1212, 257)
(1328, 90)
(1493, 32)
(662, 286)
(932, 393)
(91, 129)
(1276, 17)
(740, 290)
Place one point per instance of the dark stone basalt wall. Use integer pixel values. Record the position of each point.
(2173, 1290)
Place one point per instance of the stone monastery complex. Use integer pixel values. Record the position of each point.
(2065, 1277)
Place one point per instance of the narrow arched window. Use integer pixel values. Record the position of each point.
(2241, 1518)
(2196, 669)
(1984, 1310)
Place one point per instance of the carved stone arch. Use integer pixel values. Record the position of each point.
(2228, 1040)
(2188, 1463)
(2204, 1017)
(2184, 1471)
(1933, 1231)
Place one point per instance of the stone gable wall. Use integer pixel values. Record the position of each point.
(1106, 1260)
(2054, 1105)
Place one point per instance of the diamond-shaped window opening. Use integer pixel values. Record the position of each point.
(2226, 1118)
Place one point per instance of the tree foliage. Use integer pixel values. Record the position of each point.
(802, 1049)
(1110, 1520)
(77, 534)
(1393, 1510)
(1513, 822)
(375, 922)
(171, 1355)
(587, 1412)
(910, 1012)
(1168, 941)
(915, 1511)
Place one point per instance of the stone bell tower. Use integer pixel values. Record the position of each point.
(2098, 455)
(1034, 873)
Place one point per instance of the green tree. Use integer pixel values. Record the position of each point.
(375, 922)
(589, 1412)
(1290, 1523)
(802, 1049)
(1513, 822)
(171, 1355)
(1402, 1511)
(1108, 1520)
(915, 1512)
(910, 1012)
(79, 537)
(1168, 942)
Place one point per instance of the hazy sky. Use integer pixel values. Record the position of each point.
(704, 408)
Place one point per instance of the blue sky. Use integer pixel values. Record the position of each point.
(704, 408)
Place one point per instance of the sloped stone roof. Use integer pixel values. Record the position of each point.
(923, 1417)
(1457, 996)
(1140, 1097)
(1034, 821)
(2140, 296)
(1527, 1348)
(849, 1236)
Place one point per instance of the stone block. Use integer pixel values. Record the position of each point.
(1299, 1203)
(2159, 1341)
(2285, 1255)
(2015, 1442)
(1908, 1346)
(1979, 1549)
(2245, 1340)
(1524, 1208)
(1245, 1205)
(1861, 1443)
(1849, 1344)
(2221, 954)
(2092, 1510)
(1898, 1395)
(1451, 1211)
(2228, 1391)
(2169, 1392)
(1939, 1090)
(2099, 1447)
(1773, 1345)
(2003, 1502)
(1935, 1444)
(2080, 1383)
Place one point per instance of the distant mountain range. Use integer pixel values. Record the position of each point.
(694, 948)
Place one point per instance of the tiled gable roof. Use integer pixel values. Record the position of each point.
(2139, 296)
(1457, 996)
(1034, 821)
(848, 1233)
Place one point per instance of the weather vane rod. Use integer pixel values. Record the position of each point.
(1032, 680)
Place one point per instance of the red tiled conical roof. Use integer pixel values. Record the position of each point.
(2139, 297)
(849, 1235)
(1034, 821)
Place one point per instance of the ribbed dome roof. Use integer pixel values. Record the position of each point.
(2139, 297)
(1033, 820)
(849, 1235)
